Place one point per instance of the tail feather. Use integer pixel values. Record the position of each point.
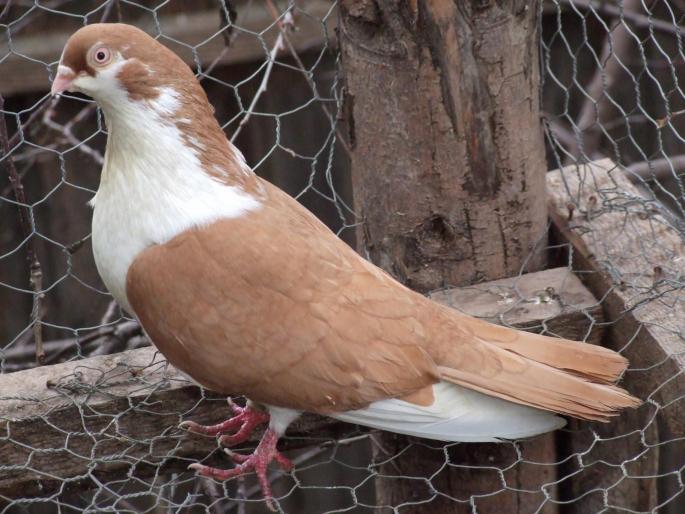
(457, 414)
(552, 374)
(545, 387)
(585, 360)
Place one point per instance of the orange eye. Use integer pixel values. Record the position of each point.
(101, 55)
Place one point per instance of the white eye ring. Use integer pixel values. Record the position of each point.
(101, 55)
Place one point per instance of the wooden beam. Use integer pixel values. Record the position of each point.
(24, 62)
(628, 255)
(554, 301)
(631, 255)
(114, 415)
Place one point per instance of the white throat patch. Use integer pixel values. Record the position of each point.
(152, 188)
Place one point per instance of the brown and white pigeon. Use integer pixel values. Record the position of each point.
(243, 289)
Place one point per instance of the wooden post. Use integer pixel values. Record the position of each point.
(636, 463)
(447, 152)
(448, 171)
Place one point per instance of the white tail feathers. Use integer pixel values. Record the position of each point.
(457, 414)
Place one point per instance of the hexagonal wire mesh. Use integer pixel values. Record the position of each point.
(99, 435)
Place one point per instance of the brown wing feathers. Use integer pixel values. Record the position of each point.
(593, 362)
(277, 308)
(553, 374)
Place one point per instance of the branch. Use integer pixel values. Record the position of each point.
(105, 340)
(35, 270)
(657, 169)
(278, 46)
(66, 129)
(5, 10)
(638, 19)
(595, 108)
(306, 74)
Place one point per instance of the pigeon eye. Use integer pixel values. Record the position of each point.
(102, 55)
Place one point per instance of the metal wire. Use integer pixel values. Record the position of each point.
(611, 88)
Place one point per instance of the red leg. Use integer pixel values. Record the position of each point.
(245, 419)
(258, 461)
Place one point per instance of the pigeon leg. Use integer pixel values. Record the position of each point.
(245, 419)
(257, 461)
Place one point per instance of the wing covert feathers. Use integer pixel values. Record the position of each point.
(274, 306)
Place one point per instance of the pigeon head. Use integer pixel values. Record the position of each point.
(111, 62)
(154, 106)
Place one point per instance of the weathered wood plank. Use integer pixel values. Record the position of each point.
(111, 415)
(628, 255)
(23, 60)
(554, 301)
(632, 256)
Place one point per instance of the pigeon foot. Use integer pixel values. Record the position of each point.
(245, 420)
(258, 462)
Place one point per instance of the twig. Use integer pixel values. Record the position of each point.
(211, 490)
(110, 312)
(228, 15)
(77, 245)
(35, 270)
(278, 46)
(638, 19)
(5, 9)
(560, 133)
(305, 73)
(595, 108)
(241, 495)
(123, 334)
(662, 122)
(32, 117)
(66, 131)
(108, 9)
(31, 159)
(657, 169)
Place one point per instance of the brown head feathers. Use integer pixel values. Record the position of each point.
(150, 63)
(149, 69)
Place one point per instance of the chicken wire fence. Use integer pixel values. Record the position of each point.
(100, 435)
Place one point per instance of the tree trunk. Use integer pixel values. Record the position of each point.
(448, 157)
(448, 171)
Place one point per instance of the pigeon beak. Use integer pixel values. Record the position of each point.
(63, 81)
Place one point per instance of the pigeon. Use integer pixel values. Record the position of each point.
(244, 290)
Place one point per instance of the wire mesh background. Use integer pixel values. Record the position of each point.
(611, 88)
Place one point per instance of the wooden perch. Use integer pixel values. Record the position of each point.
(114, 415)
(628, 255)
(23, 72)
(631, 255)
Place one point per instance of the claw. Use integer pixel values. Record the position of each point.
(258, 462)
(245, 431)
(237, 409)
(238, 458)
(210, 430)
(245, 420)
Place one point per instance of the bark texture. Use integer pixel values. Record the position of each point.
(447, 151)
(448, 171)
